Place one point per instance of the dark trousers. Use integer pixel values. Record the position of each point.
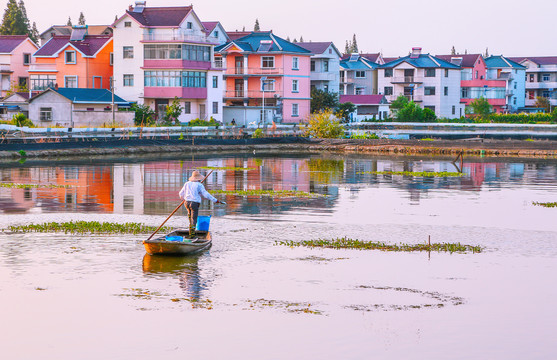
(193, 210)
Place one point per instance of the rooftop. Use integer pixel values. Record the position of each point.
(89, 46)
(254, 41)
(363, 99)
(9, 42)
(315, 47)
(540, 60)
(93, 96)
(502, 62)
(468, 60)
(421, 61)
(161, 16)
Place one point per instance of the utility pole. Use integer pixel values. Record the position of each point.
(263, 79)
(112, 90)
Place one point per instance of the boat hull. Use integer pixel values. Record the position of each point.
(160, 246)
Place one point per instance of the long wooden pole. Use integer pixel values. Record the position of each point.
(177, 208)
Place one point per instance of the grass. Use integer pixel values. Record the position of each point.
(231, 168)
(268, 193)
(346, 243)
(416, 173)
(27, 186)
(546, 204)
(86, 227)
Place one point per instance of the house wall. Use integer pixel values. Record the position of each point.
(536, 86)
(128, 36)
(16, 62)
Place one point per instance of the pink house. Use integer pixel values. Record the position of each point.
(15, 57)
(476, 82)
(267, 79)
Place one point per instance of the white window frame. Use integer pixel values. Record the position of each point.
(359, 77)
(215, 82)
(26, 55)
(74, 61)
(546, 77)
(187, 107)
(100, 83)
(295, 110)
(267, 59)
(268, 85)
(66, 77)
(128, 77)
(431, 91)
(295, 86)
(126, 54)
(325, 65)
(215, 107)
(295, 63)
(189, 25)
(45, 114)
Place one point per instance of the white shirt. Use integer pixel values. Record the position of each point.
(193, 191)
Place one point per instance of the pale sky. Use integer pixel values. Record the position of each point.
(508, 27)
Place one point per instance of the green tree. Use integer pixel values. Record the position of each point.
(321, 100)
(354, 48)
(453, 51)
(301, 39)
(347, 47)
(13, 22)
(69, 23)
(429, 115)
(81, 20)
(21, 6)
(480, 107)
(34, 34)
(400, 102)
(324, 125)
(543, 103)
(172, 113)
(411, 112)
(256, 27)
(344, 110)
(144, 115)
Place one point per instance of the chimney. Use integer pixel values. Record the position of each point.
(139, 6)
(416, 52)
(56, 86)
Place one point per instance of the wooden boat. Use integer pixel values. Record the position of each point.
(167, 244)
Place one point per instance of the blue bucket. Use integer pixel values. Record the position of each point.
(203, 223)
(174, 238)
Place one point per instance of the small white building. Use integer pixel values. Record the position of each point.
(14, 104)
(431, 82)
(324, 65)
(368, 107)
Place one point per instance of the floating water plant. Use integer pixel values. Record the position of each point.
(229, 168)
(346, 243)
(36, 186)
(268, 193)
(86, 227)
(547, 204)
(415, 173)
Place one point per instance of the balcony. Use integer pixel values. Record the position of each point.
(541, 85)
(171, 92)
(415, 98)
(323, 76)
(253, 71)
(346, 80)
(407, 80)
(5, 68)
(42, 68)
(198, 38)
(244, 94)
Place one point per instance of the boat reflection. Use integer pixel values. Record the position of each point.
(186, 268)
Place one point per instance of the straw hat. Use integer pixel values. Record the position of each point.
(196, 176)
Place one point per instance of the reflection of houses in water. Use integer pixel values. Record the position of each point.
(128, 188)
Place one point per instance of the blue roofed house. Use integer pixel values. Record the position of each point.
(324, 65)
(358, 75)
(429, 81)
(503, 68)
(78, 107)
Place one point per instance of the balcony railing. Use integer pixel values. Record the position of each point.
(344, 80)
(407, 79)
(42, 68)
(415, 98)
(324, 76)
(242, 94)
(254, 71)
(541, 85)
(180, 37)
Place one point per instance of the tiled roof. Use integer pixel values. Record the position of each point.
(540, 60)
(89, 46)
(422, 61)
(502, 62)
(389, 59)
(360, 64)
(161, 16)
(9, 42)
(371, 57)
(363, 99)
(210, 25)
(92, 96)
(67, 30)
(251, 43)
(233, 35)
(315, 47)
(468, 60)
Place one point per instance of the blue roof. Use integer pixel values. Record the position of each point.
(92, 96)
(252, 42)
(502, 62)
(360, 64)
(423, 61)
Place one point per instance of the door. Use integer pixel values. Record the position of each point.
(160, 108)
(239, 88)
(202, 111)
(239, 64)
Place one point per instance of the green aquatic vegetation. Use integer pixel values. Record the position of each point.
(284, 305)
(346, 243)
(35, 186)
(546, 204)
(22, 153)
(268, 193)
(427, 139)
(415, 173)
(230, 168)
(88, 227)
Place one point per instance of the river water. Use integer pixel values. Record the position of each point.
(100, 296)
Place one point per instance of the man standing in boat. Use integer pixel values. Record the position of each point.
(192, 192)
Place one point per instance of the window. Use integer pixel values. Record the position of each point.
(360, 74)
(70, 81)
(476, 74)
(532, 78)
(388, 72)
(128, 52)
(430, 107)
(326, 66)
(215, 82)
(42, 82)
(128, 79)
(23, 81)
(514, 101)
(312, 65)
(189, 25)
(26, 59)
(177, 52)
(454, 109)
(326, 88)
(546, 77)
(429, 72)
(429, 90)
(45, 114)
(215, 107)
(446, 91)
(295, 61)
(446, 72)
(69, 57)
(268, 62)
(360, 91)
(127, 24)
(465, 93)
(295, 86)
(111, 59)
(216, 34)
(268, 85)
(187, 107)
(295, 110)
(190, 79)
(388, 90)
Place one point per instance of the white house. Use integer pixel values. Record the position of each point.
(502, 68)
(541, 78)
(324, 65)
(431, 82)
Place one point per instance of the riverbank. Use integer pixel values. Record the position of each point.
(472, 147)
